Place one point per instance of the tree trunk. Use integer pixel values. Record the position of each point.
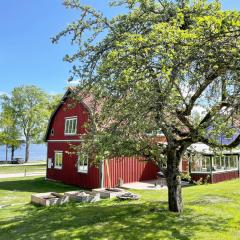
(12, 152)
(175, 203)
(6, 152)
(27, 151)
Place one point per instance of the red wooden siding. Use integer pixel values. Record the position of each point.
(69, 174)
(129, 169)
(216, 177)
(197, 176)
(223, 176)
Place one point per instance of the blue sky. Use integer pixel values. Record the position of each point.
(27, 55)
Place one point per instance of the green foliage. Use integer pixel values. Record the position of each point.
(28, 107)
(26, 112)
(10, 133)
(186, 177)
(53, 102)
(149, 68)
(202, 181)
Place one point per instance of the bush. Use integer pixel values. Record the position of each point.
(202, 181)
(186, 177)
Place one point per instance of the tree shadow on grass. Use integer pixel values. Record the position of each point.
(37, 185)
(103, 220)
(108, 220)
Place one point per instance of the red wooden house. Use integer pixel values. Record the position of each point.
(65, 128)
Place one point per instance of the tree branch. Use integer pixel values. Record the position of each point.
(198, 93)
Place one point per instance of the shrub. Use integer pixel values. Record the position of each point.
(186, 177)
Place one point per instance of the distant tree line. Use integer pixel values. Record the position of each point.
(24, 116)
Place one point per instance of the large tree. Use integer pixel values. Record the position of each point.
(28, 105)
(10, 134)
(150, 68)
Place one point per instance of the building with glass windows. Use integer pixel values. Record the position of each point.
(213, 166)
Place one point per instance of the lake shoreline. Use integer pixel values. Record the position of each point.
(38, 152)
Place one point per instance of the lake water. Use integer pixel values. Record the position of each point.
(37, 152)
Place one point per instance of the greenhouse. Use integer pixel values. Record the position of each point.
(213, 166)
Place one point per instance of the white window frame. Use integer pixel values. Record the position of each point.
(57, 166)
(69, 120)
(227, 163)
(81, 167)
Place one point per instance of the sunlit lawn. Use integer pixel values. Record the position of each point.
(22, 168)
(211, 212)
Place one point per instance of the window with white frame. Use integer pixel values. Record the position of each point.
(226, 162)
(58, 159)
(206, 163)
(200, 163)
(70, 126)
(82, 163)
(218, 164)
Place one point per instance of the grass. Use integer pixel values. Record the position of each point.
(22, 168)
(37, 162)
(211, 212)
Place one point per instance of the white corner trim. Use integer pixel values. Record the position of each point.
(73, 117)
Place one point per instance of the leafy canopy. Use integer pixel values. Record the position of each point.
(150, 67)
(9, 133)
(28, 106)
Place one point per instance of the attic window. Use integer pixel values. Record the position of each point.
(70, 126)
(52, 132)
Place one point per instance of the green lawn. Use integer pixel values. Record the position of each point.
(211, 212)
(21, 168)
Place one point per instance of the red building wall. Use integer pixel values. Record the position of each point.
(197, 176)
(220, 177)
(60, 142)
(215, 177)
(69, 174)
(129, 169)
